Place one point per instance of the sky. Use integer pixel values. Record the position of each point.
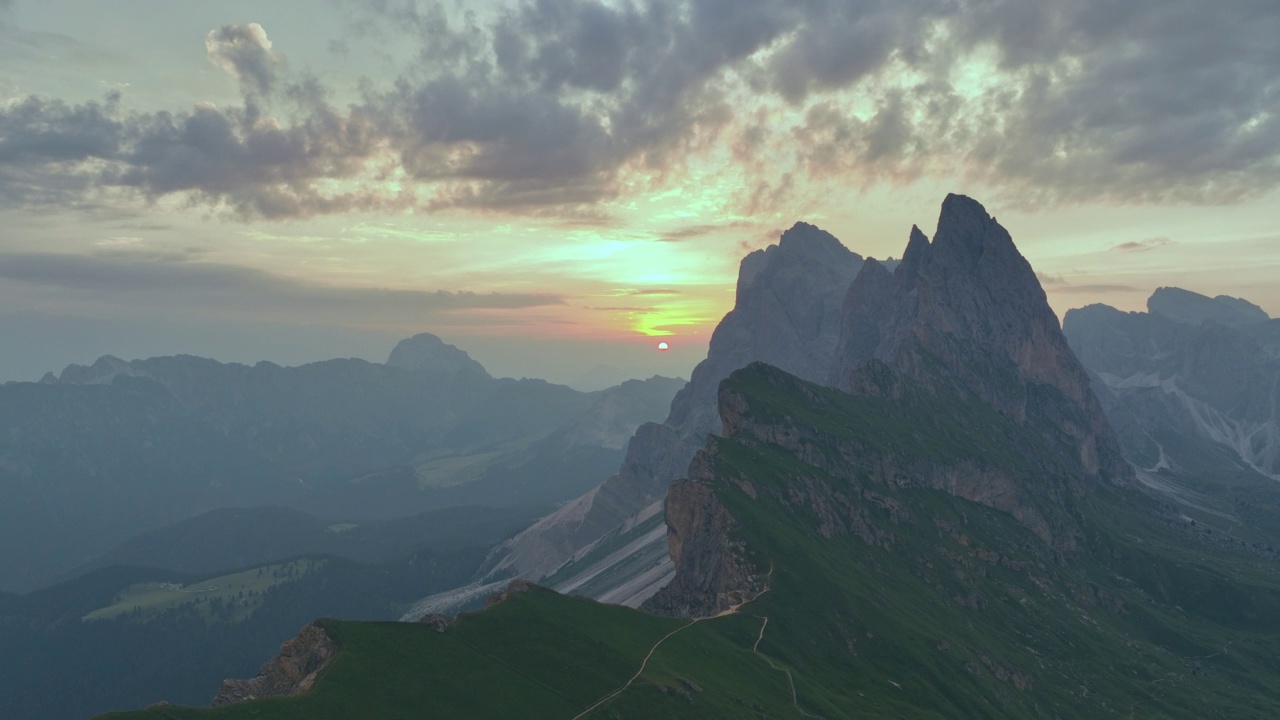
(558, 185)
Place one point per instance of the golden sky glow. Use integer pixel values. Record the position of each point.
(554, 223)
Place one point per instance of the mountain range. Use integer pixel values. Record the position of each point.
(1192, 387)
(103, 452)
(938, 522)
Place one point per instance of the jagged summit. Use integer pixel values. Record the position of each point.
(787, 314)
(802, 245)
(959, 336)
(813, 241)
(969, 303)
(425, 351)
(917, 250)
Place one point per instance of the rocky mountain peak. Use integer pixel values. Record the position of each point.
(965, 227)
(916, 252)
(967, 311)
(425, 351)
(805, 240)
(1192, 308)
(787, 313)
(961, 314)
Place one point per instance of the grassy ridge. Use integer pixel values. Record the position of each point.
(522, 658)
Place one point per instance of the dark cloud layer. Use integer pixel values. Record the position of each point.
(554, 102)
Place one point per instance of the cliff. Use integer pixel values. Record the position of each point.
(292, 672)
(968, 308)
(787, 313)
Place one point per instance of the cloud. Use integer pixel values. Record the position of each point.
(653, 292)
(693, 231)
(556, 107)
(648, 292)
(1050, 280)
(1059, 284)
(54, 155)
(175, 281)
(1101, 289)
(244, 52)
(1142, 245)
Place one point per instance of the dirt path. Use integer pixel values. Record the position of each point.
(733, 610)
(639, 672)
(795, 701)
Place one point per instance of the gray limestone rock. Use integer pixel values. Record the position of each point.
(969, 302)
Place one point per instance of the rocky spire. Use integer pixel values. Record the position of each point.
(966, 311)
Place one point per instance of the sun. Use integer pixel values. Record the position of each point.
(662, 347)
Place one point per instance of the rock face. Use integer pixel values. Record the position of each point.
(292, 672)
(425, 351)
(711, 572)
(971, 304)
(1193, 383)
(787, 313)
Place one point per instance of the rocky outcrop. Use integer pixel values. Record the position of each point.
(292, 672)
(515, 587)
(429, 353)
(712, 574)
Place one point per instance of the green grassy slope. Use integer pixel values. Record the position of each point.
(243, 591)
(911, 603)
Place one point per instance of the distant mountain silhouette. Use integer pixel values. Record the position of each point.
(106, 451)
